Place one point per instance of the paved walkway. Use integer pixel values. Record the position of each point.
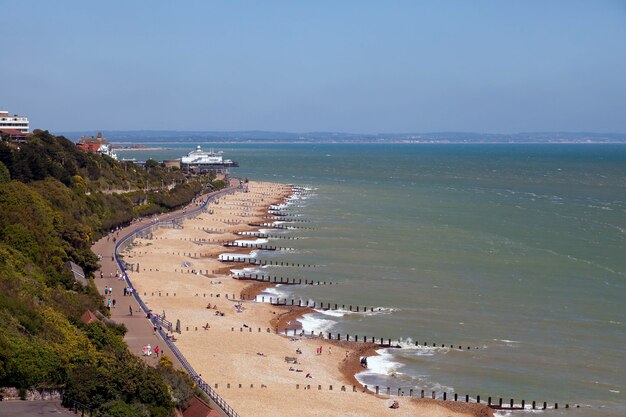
(17, 408)
(140, 330)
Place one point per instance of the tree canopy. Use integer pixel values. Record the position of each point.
(54, 202)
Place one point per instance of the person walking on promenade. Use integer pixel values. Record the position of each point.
(130, 310)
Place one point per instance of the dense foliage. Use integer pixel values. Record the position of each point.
(54, 201)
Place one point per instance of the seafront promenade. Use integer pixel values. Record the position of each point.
(140, 330)
(130, 309)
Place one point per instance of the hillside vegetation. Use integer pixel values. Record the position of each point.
(52, 208)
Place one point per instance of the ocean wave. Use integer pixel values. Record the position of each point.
(274, 292)
(311, 323)
(242, 271)
(382, 364)
(278, 206)
(512, 343)
(273, 231)
(341, 312)
(259, 241)
(385, 369)
(227, 256)
(407, 346)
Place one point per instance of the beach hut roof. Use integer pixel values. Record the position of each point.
(199, 408)
(77, 271)
(88, 317)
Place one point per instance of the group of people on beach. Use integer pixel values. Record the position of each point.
(214, 307)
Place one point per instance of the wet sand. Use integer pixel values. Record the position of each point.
(240, 353)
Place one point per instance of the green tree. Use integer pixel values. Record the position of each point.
(5, 175)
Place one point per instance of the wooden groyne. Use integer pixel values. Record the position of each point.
(278, 280)
(285, 219)
(298, 332)
(278, 226)
(380, 341)
(263, 262)
(259, 246)
(267, 236)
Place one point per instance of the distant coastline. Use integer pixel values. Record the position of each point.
(261, 137)
(139, 148)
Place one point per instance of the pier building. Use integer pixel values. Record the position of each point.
(199, 161)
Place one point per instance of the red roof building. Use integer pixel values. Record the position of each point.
(88, 317)
(199, 408)
(15, 135)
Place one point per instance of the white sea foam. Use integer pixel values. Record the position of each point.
(383, 363)
(228, 256)
(279, 206)
(510, 343)
(248, 233)
(386, 364)
(341, 312)
(332, 313)
(270, 231)
(259, 241)
(272, 292)
(242, 271)
(527, 409)
(311, 323)
(408, 346)
(276, 290)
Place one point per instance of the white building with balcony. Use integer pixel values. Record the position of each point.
(15, 122)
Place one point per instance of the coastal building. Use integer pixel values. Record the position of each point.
(15, 122)
(199, 161)
(96, 145)
(88, 317)
(14, 135)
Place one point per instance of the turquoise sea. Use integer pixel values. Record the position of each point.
(519, 250)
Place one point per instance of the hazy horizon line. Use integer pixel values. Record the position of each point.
(341, 132)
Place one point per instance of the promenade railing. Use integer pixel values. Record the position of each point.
(125, 241)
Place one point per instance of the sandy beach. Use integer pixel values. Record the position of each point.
(233, 344)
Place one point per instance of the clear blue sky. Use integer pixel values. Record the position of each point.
(353, 66)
